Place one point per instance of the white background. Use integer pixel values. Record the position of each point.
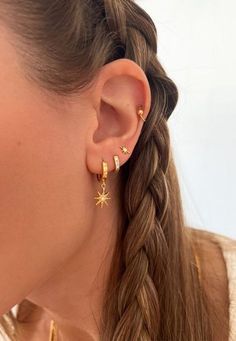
(196, 46)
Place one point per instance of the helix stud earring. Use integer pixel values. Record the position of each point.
(141, 112)
(103, 197)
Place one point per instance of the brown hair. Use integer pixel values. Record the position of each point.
(154, 291)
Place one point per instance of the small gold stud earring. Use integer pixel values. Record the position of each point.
(124, 150)
(141, 112)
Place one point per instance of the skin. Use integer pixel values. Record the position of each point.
(56, 244)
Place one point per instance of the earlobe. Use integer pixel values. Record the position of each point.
(122, 100)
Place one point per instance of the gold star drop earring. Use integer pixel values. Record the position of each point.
(102, 198)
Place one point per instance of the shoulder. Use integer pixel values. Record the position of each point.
(217, 255)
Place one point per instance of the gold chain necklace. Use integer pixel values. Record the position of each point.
(53, 331)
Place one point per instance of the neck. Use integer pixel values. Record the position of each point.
(73, 296)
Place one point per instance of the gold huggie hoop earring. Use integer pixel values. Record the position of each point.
(117, 163)
(141, 112)
(103, 197)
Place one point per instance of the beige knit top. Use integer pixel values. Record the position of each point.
(228, 247)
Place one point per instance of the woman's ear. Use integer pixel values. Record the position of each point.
(119, 89)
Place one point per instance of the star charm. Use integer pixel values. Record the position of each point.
(124, 150)
(102, 198)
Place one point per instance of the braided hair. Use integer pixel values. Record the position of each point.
(152, 301)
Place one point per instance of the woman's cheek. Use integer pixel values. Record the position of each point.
(40, 187)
